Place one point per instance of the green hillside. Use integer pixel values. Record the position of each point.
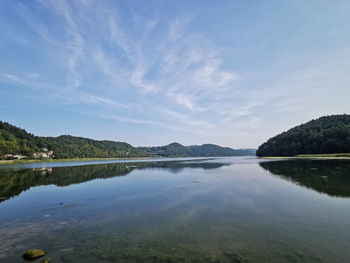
(329, 134)
(17, 141)
(67, 146)
(14, 140)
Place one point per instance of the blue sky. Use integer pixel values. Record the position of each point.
(232, 72)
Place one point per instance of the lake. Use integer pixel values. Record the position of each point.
(236, 209)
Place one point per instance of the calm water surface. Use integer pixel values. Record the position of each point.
(237, 209)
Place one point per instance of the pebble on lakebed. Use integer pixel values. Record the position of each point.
(33, 254)
(46, 260)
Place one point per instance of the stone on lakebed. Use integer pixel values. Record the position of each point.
(33, 254)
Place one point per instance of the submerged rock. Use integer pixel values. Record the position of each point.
(33, 254)
(46, 260)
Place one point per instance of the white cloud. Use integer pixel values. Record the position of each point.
(184, 119)
(177, 29)
(138, 79)
(93, 99)
(14, 78)
(136, 121)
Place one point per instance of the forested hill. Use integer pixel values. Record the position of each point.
(16, 141)
(329, 134)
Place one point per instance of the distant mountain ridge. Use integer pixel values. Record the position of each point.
(178, 150)
(16, 143)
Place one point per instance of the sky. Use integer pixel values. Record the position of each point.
(228, 72)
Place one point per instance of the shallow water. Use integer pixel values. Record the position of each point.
(237, 209)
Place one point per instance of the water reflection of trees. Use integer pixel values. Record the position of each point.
(331, 177)
(13, 182)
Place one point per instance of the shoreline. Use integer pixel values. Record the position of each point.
(297, 157)
(7, 162)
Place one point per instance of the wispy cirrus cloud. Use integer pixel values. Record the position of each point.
(94, 99)
(73, 43)
(164, 64)
(170, 70)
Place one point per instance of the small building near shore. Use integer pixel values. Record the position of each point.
(8, 156)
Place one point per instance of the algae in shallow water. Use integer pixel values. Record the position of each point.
(46, 260)
(117, 249)
(33, 254)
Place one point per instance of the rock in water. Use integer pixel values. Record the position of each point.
(46, 260)
(33, 253)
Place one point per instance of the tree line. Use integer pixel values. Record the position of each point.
(14, 140)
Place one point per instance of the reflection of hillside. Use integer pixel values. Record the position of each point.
(13, 182)
(176, 166)
(331, 177)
